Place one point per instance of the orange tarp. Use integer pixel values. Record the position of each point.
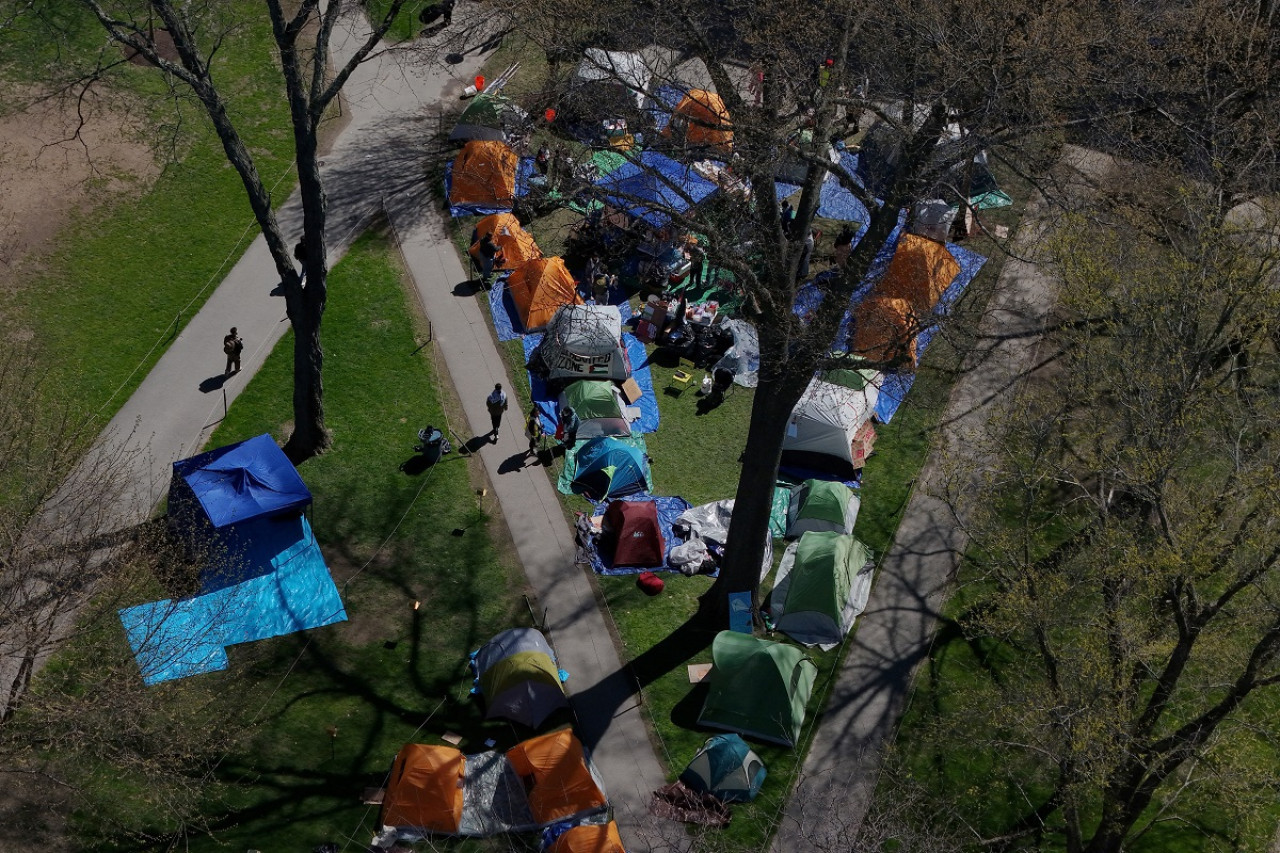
(920, 271)
(485, 171)
(516, 244)
(705, 118)
(589, 839)
(554, 770)
(425, 788)
(540, 288)
(884, 331)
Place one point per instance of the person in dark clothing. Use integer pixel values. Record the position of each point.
(844, 244)
(533, 429)
(788, 215)
(496, 403)
(569, 426)
(487, 251)
(232, 346)
(697, 261)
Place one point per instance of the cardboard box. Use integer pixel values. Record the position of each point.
(631, 391)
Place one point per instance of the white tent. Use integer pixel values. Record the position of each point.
(828, 417)
(585, 342)
(627, 69)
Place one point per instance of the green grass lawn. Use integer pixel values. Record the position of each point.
(392, 672)
(126, 276)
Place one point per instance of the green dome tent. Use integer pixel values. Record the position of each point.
(599, 406)
(727, 769)
(758, 688)
(519, 678)
(823, 584)
(823, 507)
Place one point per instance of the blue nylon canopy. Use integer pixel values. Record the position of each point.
(646, 187)
(239, 482)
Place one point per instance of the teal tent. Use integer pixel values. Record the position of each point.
(727, 769)
(823, 584)
(609, 468)
(758, 688)
(821, 506)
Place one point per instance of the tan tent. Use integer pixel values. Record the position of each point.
(484, 173)
(540, 288)
(701, 119)
(515, 244)
(885, 332)
(920, 272)
(425, 789)
(554, 771)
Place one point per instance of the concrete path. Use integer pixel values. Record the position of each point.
(378, 164)
(893, 635)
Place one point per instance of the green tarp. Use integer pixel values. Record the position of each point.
(758, 688)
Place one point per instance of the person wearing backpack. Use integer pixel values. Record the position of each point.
(232, 346)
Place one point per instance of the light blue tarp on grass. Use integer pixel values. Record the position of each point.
(652, 184)
(175, 639)
(524, 171)
(546, 401)
(834, 201)
(669, 509)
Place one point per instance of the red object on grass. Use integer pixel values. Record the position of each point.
(479, 82)
(650, 583)
(549, 115)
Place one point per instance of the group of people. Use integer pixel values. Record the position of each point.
(566, 428)
(840, 253)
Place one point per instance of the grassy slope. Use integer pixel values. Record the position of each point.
(125, 277)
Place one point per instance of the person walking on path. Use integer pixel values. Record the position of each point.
(496, 403)
(533, 430)
(488, 251)
(232, 346)
(569, 425)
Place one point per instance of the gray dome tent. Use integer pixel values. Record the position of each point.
(519, 678)
(584, 342)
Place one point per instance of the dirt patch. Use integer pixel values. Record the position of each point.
(59, 157)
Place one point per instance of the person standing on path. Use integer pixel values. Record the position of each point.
(569, 424)
(496, 403)
(488, 251)
(232, 346)
(533, 429)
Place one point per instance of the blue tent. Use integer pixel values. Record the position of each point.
(236, 483)
(727, 769)
(652, 184)
(608, 468)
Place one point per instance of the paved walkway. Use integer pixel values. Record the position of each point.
(378, 164)
(893, 634)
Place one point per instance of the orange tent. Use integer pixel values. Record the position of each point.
(554, 771)
(485, 171)
(425, 788)
(703, 119)
(885, 331)
(589, 839)
(516, 244)
(540, 288)
(920, 271)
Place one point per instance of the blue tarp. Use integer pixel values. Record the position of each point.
(175, 639)
(237, 483)
(834, 201)
(652, 184)
(524, 171)
(893, 391)
(669, 509)
(546, 401)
